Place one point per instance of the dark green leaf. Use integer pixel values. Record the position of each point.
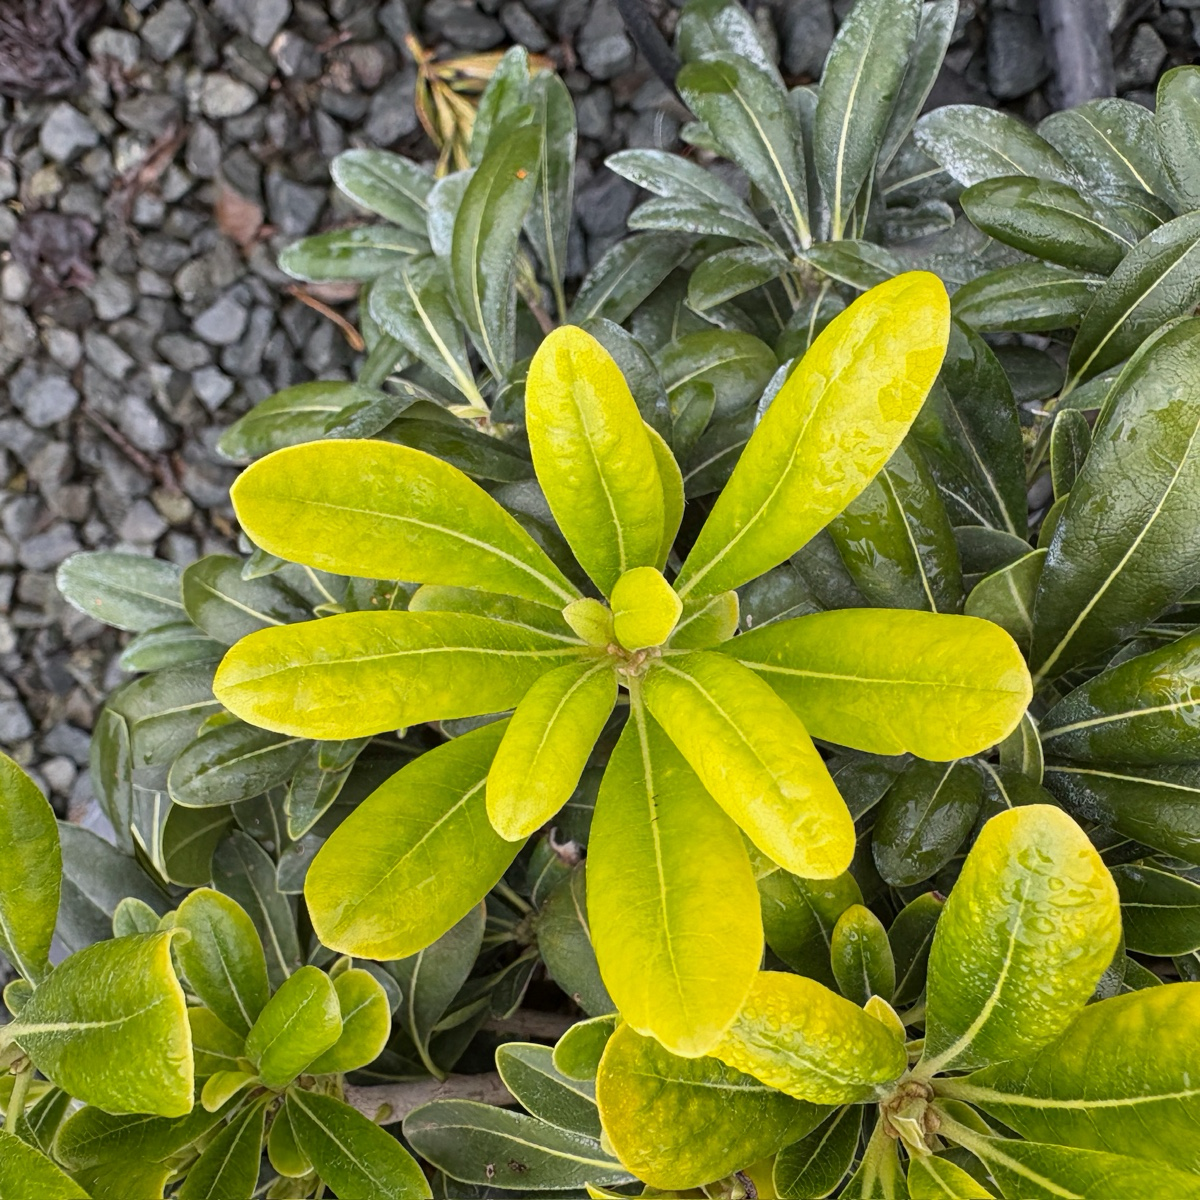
(815, 1165)
(360, 252)
(1160, 911)
(565, 942)
(627, 274)
(910, 936)
(129, 591)
(1177, 123)
(228, 607)
(1028, 297)
(384, 183)
(529, 1073)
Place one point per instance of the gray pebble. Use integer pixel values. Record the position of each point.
(520, 25)
(223, 96)
(63, 346)
(392, 114)
(104, 353)
(462, 23)
(203, 152)
(1016, 59)
(143, 524)
(184, 353)
(150, 113)
(14, 283)
(111, 296)
(212, 387)
(604, 47)
(66, 739)
(50, 399)
(166, 30)
(143, 426)
(222, 323)
(1140, 64)
(15, 724)
(66, 132)
(604, 204)
(44, 551)
(296, 57)
(806, 33)
(260, 20)
(115, 43)
(8, 179)
(293, 207)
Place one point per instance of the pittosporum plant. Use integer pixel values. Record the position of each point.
(1019, 1087)
(497, 624)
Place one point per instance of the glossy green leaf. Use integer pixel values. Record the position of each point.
(393, 187)
(877, 680)
(172, 645)
(738, 365)
(388, 512)
(529, 1073)
(360, 252)
(222, 959)
(483, 254)
(578, 1052)
(931, 1177)
(799, 916)
(228, 607)
(924, 819)
(1177, 124)
(351, 1153)
(109, 1026)
(1160, 911)
(860, 264)
(1049, 220)
(706, 622)
(1028, 930)
(283, 1151)
(1159, 806)
(1108, 1081)
(818, 1162)
(862, 956)
(1025, 298)
(564, 939)
(1006, 597)
(366, 1023)
(868, 372)
(1159, 279)
(27, 1174)
(228, 1168)
(1038, 1171)
(1110, 143)
(546, 746)
(796, 1035)
(764, 772)
(32, 876)
(860, 84)
(911, 937)
(896, 540)
(1142, 711)
(671, 898)
(130, 591)
(549, 221)
(973, 144)
(215, 1047)
(593, 456)
(1120, 556)
(231, 763)
(626, 274)
(299, 1024)
(1070, 440)
(746, 109)
(345, 676)
(415, 856)
(730, 273)
(676, 1122)
(492, 1147)
(715, 27)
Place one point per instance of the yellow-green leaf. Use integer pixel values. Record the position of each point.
(755, 758)
(1028, 930)
(933, 1178)
(835, 422)
(671, 898)
(644, 607)
(891, 681)
(32, 872)
(671, 478)
(593, 456)
(215, 1047)
(301, 1021)
(412, 858)
(681, 1122)
(546, 746)
(796, 1035)
(27, 1174)
(591, 620)
(109, 1025)
(381, 511)
(706, 621)
(366, 1024)
(363, 673)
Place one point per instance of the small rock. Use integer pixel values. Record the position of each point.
(117, 44)
(8, 180)
(392, 114)
(222, 323)
(174, 506)
(223, 96)
(806, 33)
(605, 203)
(60, 773)
(143, 426)
(111, 296)
(260, 20)
(203, 153)
(15, 724)
(63, 346)
(104, 353)
(462, 23)
(182, 352)
(520, 25)
(50, 399)
(150, 113)
(14, 283)
(166, 30)
(295, 57)
(1140, 64)
(293, 207)
(604, 47)
(1016, 59)
(212, 387)
(44, 551)
(143, 524)
(66, 132)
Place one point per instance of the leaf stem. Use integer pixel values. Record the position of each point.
(22, 1078)
(511, 897)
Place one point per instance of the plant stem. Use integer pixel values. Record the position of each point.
(22, 1078)
(518, 902)
(388, 1103)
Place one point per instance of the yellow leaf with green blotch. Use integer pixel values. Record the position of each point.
(380, 511)
(1029, 928)
(672, 903)
(300, 1022)
(364, 673)
(546, 746)
(593, 456)
(796, 1035)
(755, 758)
(645, 608)
(414, 857)
(893, 681)
(834, 424)
(109, 1025)
(681, 1122)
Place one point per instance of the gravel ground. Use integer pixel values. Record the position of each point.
(140, 215)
